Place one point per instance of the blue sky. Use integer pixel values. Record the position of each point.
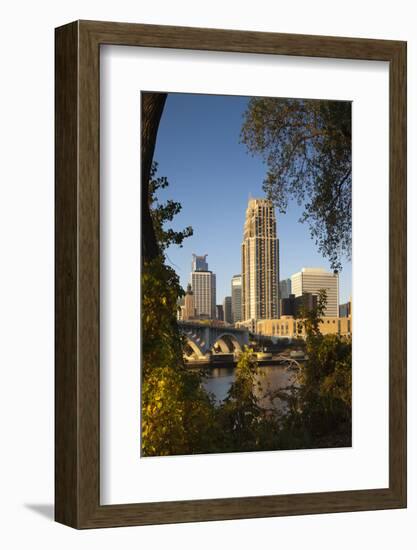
(212, 176)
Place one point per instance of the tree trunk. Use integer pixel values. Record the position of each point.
(152, 107)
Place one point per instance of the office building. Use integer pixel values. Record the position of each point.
(285, 288)
(204, 289)
(313, 279)
(236, 298)
(293, 305)
(203, 283)
(289, 327)
(260, 262)
(189, 307)
(288, 306)
(219, 312)
(227, 309)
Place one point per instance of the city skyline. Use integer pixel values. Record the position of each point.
(220, 364)
(214, 195)
(308, 282)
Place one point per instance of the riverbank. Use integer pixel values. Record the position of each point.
(222, 362)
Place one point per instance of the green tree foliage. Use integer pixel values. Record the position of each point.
(306, 145)
(243, 423)
(321, 403)
(240, 413)
(162, 344)
(163, 213)
(176, 411)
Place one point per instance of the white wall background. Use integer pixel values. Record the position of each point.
(27, 260)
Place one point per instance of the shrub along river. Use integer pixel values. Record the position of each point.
(270, 379)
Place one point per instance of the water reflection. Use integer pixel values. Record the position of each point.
(271, 378)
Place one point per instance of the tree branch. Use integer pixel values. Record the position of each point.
(152, 107)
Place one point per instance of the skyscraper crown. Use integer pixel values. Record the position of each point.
(199, 263)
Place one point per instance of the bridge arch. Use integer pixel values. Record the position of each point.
(195, 348)
(228, 343)
(203, 339)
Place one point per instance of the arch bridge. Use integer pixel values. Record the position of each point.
(203, 338)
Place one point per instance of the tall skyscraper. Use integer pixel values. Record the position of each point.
(199, 263)
(227, 309)
(260, 262)
(236, 298)
(285, 289)
(203, 283)
(312, 280)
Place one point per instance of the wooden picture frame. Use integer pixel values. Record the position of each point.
(77, 372)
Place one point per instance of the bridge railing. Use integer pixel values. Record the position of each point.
(213, 325)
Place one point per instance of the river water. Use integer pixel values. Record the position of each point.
(271, 378)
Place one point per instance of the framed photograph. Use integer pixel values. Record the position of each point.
(230, 274)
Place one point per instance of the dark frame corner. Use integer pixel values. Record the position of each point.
(77, 274)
